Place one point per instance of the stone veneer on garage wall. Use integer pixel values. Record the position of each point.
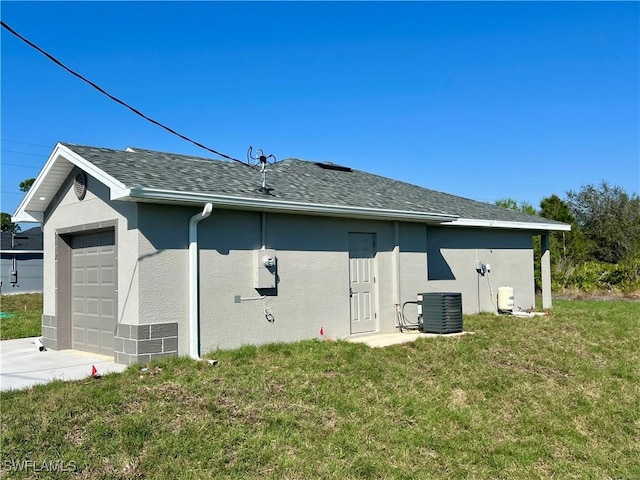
(50, 331)
(132, 343)
(143, 343)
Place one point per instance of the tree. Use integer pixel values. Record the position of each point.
(569, 246)
(555, 208)
(511, 204)
(25, 185)
(7, 225)
(609, 219)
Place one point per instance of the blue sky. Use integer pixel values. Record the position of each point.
(482, 100)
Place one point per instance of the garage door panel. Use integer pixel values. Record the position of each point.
(78, 305)
(107, 276)
(108, 249)
(92, 337)
(93, 309)
(94, 292)
(106, 340)
(78, 276)
(107, 307)
(78, 336)
(92, 276)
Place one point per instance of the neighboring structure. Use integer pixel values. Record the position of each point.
(150, 254)
(21, 261)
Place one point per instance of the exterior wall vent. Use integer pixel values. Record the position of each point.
(440, 312)
(80, 185)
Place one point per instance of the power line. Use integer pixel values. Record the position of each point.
(21, 166)
(24, 153)
(26, 143)
(115, 99)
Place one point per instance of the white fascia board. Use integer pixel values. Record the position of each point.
(26, 216)
(116, 188)
(282, 205)
(472, 222)
(21, 215)
(30, 211)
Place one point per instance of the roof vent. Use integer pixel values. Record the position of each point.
(333, 166)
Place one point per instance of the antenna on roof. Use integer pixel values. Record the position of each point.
(264, 160)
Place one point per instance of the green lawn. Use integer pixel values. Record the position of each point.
(25, 315)
(550, 397)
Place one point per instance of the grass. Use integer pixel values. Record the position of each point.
(26, 315)
(550, 397)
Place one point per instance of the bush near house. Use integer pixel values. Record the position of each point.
(22, 315)
(546, 397)
(601, 253)
(598, 276)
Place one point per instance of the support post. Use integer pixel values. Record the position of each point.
(545, 270)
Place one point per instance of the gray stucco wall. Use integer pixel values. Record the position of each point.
(452, 254)
(67, 212)
(313, 268)
(413, 265)
(29, 266)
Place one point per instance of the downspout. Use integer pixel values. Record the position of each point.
(396, 267)
(194, 313)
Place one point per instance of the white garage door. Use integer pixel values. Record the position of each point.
(93, 292)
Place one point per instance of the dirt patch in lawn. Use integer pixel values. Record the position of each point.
(601, 295)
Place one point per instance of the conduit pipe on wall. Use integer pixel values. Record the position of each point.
(194, 311)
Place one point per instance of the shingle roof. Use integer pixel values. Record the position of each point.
(292, 180)
(32, 242)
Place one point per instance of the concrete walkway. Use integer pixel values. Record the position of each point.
(387, 339)
(22, 365)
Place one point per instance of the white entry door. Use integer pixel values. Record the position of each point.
(364, 311)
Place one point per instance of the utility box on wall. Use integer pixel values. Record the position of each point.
(266, 269)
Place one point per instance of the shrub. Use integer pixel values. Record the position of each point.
(594, 275)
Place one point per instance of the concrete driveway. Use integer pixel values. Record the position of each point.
(22, 365)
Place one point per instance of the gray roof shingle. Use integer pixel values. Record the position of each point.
(32, 242)
(292, 180)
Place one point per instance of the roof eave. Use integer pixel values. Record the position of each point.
(27, 216)
(473, 222)
(50, 179)
(283, 206)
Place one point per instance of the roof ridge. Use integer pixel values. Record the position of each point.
(136, 150)
(295, 180)
(182, 155)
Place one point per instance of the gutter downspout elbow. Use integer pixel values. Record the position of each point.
(194, 311)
